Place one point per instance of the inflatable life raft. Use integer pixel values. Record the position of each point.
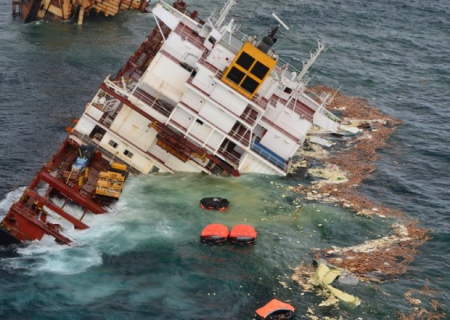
(243, 234)
(214, 203)
(276, 310)
(214, 234)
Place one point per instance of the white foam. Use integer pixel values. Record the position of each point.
(9, 199)
(134, 220)
(46, 256)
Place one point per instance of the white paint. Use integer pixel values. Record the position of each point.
(204, 79)
(147, 109)
(167, 77)
(217, 117)
(215, 104)
(139, 160)
(94, 112)
(268, 88)
(182, 118)
(182, 49)
(250, 163)
(212, 39)
(201, 132)
(321, 141)
(85, 125)
(230, 99)
(293, 123)
(325, 122)
(220, 57)
(120, 118)
(215, 140)
(274, 110)
(279, 143)
(179, 165)
(163, 12)
(193, 100)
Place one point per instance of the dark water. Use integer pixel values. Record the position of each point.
(144, 260)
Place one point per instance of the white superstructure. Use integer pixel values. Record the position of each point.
(202, 96)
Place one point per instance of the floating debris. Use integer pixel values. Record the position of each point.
(34, 10)
(338, 175)
(325, 276)
(317, 279)
(427, 308)
(321, 141)
(381, 259)
(356, 159)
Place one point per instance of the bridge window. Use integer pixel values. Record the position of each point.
(235, 75)
(112, 143)
(259, 70)
(128, 153)
(245, 60)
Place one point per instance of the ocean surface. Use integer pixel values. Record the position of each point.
(144, 260)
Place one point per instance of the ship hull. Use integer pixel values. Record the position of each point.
(29, 10)
(184, 101)
(7, 239)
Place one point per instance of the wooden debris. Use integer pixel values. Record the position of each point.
(357, 160)
(377, 260)
(381, 259)
(431, 309)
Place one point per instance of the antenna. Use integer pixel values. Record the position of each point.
(280, 23)
(279, 20)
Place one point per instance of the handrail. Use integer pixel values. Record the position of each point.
(240, 138)
(152, 104)
(229, 156)
(189, 35)
(268, 156)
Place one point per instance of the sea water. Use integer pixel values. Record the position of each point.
(144, 260)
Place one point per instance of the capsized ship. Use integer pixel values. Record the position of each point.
(196, 96)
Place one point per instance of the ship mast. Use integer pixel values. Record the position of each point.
(314, 56)
(224, 12)
(297, 91)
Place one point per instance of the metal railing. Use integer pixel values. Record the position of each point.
(258, 149)
(240, 138)
(228, 156)
(153, 104)
(186, 32)
(164, 88)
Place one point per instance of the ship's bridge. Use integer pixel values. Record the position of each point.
(249, 70)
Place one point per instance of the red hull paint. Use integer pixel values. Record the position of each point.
(27, 218)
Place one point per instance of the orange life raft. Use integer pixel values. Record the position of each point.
(243, 234)
(214, 234)
(276, 310)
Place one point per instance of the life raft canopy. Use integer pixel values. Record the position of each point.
(276, 309)
(214, 203)
(243, 234)
(215, 234)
